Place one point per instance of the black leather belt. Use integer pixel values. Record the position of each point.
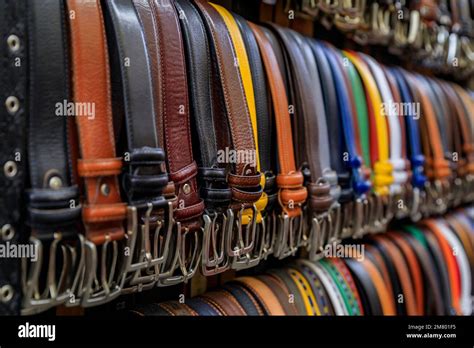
(212, 175)
(13, 107)
(53, 206)
(145, 177)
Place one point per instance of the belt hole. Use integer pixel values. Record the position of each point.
(105, 189)
(55, 182)
(6, 293)
(12, 104)
(7, 232)
(10, 169)
(13, 42)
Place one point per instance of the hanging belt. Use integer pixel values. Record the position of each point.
(361, 135)
(53, 207)
(212, 177)
(103, 212)
(416, 156)
(144, 179)
(14, 104)
(267, 228)
(310, 130)
(254, 255)
(176, 129)
(437, 168)
(354, 160)
(337, 146)
(381, 167)
(243, 177)
(463, 103)
(291, 193)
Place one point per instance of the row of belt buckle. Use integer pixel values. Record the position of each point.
(437, 45)
(166, 254)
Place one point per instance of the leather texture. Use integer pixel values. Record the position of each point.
(176, 120)
(13, 125)
(99, 167)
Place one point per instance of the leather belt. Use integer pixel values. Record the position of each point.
(415, 270)
(98, 167)
(144, 179)
(282, 292)
(14, 97)
(53, 207)
(367, 288)
(243, 177)
(264, 295)
(254, 255)
(176, 128)
(245, 299)
(436, 167)
(311, 130)
(212, 176)
(291, 193)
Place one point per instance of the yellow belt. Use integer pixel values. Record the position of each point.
(309, 299)
(246, 75)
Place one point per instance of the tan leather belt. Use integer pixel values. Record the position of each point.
(98, 166)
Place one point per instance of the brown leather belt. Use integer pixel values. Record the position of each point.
(177, 139)
(234, 132)
(291, 194)
(103, 211)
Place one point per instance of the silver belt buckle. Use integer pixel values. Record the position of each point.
(187, 259)
(289, 230)
(319, 236)
(101, 284)
(56, 291)
(235, 243)
(143, 267)
(214, 238)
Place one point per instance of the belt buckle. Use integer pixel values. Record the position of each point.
(416, 204)
(235, 236)
(35, 302)
(435, 197)
(358, 229)
(219, 262)
(270, 234)
(252, 258)
(187, 263)
(468, 186)
(150, 257)
(289, 230)
(335, 220)
(319, 236)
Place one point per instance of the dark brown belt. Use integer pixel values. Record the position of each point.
(234, 131)
(175, 127)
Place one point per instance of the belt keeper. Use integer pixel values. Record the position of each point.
(99, 167)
